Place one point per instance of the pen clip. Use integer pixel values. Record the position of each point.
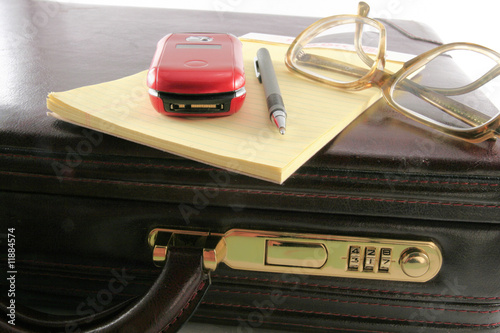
(256, 67)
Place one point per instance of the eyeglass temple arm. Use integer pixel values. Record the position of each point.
(456, 109)
(363, 10)
(326, 63)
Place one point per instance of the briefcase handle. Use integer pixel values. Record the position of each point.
(170, 302)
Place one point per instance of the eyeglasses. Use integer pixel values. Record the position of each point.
(349, 51)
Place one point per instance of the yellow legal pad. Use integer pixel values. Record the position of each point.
(246, 142)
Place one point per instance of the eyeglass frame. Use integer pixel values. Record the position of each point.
(387, 81)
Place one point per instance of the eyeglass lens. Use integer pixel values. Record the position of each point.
(458, 89)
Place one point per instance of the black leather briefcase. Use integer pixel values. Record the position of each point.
(392, 227)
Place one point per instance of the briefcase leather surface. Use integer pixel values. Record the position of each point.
(82, 203)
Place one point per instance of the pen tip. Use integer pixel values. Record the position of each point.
(282, 131)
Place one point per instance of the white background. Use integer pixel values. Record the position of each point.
(455, 21)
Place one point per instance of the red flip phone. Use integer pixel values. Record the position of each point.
(197, 74)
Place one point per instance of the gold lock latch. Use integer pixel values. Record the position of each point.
(312, 254)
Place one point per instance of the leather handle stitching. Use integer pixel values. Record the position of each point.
(183, 310)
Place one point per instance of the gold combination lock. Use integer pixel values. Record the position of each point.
(311, 254)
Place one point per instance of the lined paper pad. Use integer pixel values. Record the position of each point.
(246, 142)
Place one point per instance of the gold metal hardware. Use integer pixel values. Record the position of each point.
(312, 254)
(213, 245)
(295, 254)
(414, 262)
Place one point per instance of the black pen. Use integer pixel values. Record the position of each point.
(265, 73)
